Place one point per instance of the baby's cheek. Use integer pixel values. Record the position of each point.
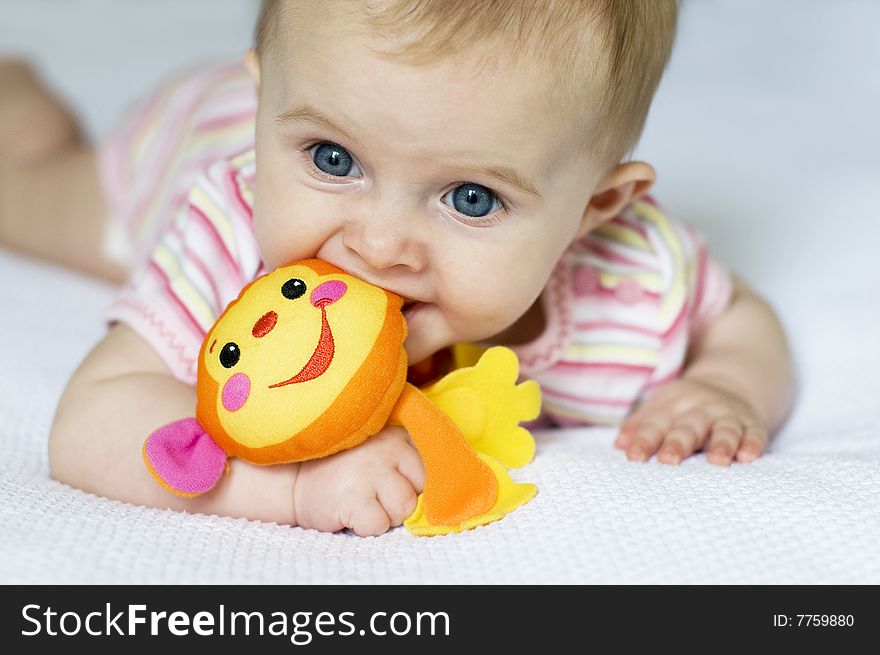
(481, 316)
(284, 236)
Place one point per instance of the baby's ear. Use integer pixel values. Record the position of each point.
(623, 184)
(252, 64)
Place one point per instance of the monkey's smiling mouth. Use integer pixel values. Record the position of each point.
(320, 360)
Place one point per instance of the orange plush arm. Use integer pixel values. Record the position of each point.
(459, 485)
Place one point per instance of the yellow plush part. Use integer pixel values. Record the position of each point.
(487, 404)
(273, 415)
(510, 496)
(466, 354)
(359, 339)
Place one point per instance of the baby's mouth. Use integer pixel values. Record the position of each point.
(409, 306)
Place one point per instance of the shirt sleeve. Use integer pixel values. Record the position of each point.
(200, 263)
(696, 291)
(710, 285)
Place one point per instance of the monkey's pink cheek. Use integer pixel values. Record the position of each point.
(236, 392)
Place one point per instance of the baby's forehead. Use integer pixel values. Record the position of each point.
(490, 61)
(604, 59)
(483, 104)
(573, 57)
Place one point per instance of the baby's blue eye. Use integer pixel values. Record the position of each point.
(332, 159)
(472, 200)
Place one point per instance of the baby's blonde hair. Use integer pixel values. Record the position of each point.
(635, 36)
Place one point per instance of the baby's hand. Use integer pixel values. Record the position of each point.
(369, 488)
(685, 416)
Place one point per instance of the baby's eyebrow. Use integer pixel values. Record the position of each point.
(308, 114)
(507, 175)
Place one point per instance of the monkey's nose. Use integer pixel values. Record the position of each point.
(264, 324)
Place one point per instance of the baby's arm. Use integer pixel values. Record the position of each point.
(118, 396)
(736, 389)
(123, 391)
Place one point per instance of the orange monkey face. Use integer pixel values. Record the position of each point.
(304, 363)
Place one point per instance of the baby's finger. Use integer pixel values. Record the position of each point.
(397, 497)
(686, 435)
(753, 444)
(627, 432)
(648, 436)
(368, 520)
(411, 467)
(631, 423)
(724, 440)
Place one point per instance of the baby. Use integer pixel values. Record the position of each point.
(468, 155)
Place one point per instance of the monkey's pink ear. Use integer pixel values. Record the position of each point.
(184, 459)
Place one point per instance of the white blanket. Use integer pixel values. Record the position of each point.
(764, 134)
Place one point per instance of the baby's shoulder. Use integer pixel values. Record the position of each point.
(215, 226)
(641, 243)
(240, 168)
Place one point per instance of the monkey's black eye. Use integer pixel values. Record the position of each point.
(293, 288)
(230, 355)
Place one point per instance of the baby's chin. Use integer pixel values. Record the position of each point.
(429, 331)
(426, 332)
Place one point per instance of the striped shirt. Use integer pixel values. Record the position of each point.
(620, 307)
(198, 266)
(149, 163)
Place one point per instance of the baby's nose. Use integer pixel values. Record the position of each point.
(328, 292)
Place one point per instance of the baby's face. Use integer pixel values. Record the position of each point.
(454, 185)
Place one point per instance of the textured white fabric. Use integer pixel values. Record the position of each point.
(764, 137)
